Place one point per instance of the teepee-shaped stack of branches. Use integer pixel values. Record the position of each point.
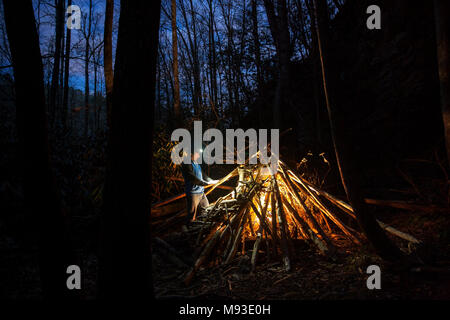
(273, 209)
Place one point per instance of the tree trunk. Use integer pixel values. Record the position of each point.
(59, 17)
(108, 68)
(125, 257)
(441, 11)
(41, 196)
(316, 70)
(66, 75)
(259, 80)
(86, 72)
(193, 44)
(278, 22)
(61, 70)
(94, 125)
(176, 78)
(213, 56)
(350, 176)
(197, 82)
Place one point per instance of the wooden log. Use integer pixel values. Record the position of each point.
(250, 224)
(236, 239)
(255, 249)
(167, 210)
(201, 231)
(261, 228)
(347, 230)
(339, 203)
(274, 222)
(234, 225)
(172, 220)
(262, 222)
(167, 201)
(243, 237)
(303, 204)
(315, 227)
(282, 221)
(207, 249)
(322, 245)
(168, 251)
(244, 208)
(349, 210)
(406, 205)
(267, 201)
(398, 233)
(227, 177)
(211, 187)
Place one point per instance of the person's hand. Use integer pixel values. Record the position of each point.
(213, 181)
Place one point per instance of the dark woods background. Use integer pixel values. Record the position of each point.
(78, 136)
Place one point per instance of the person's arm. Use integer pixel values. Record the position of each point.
(205, 176)
(208, 179)
(189, 173)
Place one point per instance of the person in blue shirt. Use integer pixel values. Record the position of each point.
(195, 180)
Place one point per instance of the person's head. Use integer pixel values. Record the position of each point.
(195, 154)
(196, 151)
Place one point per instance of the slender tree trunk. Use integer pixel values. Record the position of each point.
(109, 15)
(94, 126)
(158, 92)
(86, 71)
(350, 176)
(259, 81)
(278, 22)
(197, 81)
(176, 78)
(125, 257)
(59, 17)
(316, 69)
(192, 38)
(441, 12)
(98, 92)
(61, 69)
(66, 75)
(41, 196)
(213, 55)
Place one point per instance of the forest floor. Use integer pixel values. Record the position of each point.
(314, 276)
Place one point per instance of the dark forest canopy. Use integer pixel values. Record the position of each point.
(225, 52)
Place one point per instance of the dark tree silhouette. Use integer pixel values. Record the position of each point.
(349, 173)
(176, 78)
(125, 258)
(59, 34)
(65, 104)
(441, 9)
(278, 21)
(41, 196)
(108, 60)
(87, 33)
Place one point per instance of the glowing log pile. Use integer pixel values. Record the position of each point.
(273, 209)
(268, 210)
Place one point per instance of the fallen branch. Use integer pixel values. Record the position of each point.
(406, 205)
